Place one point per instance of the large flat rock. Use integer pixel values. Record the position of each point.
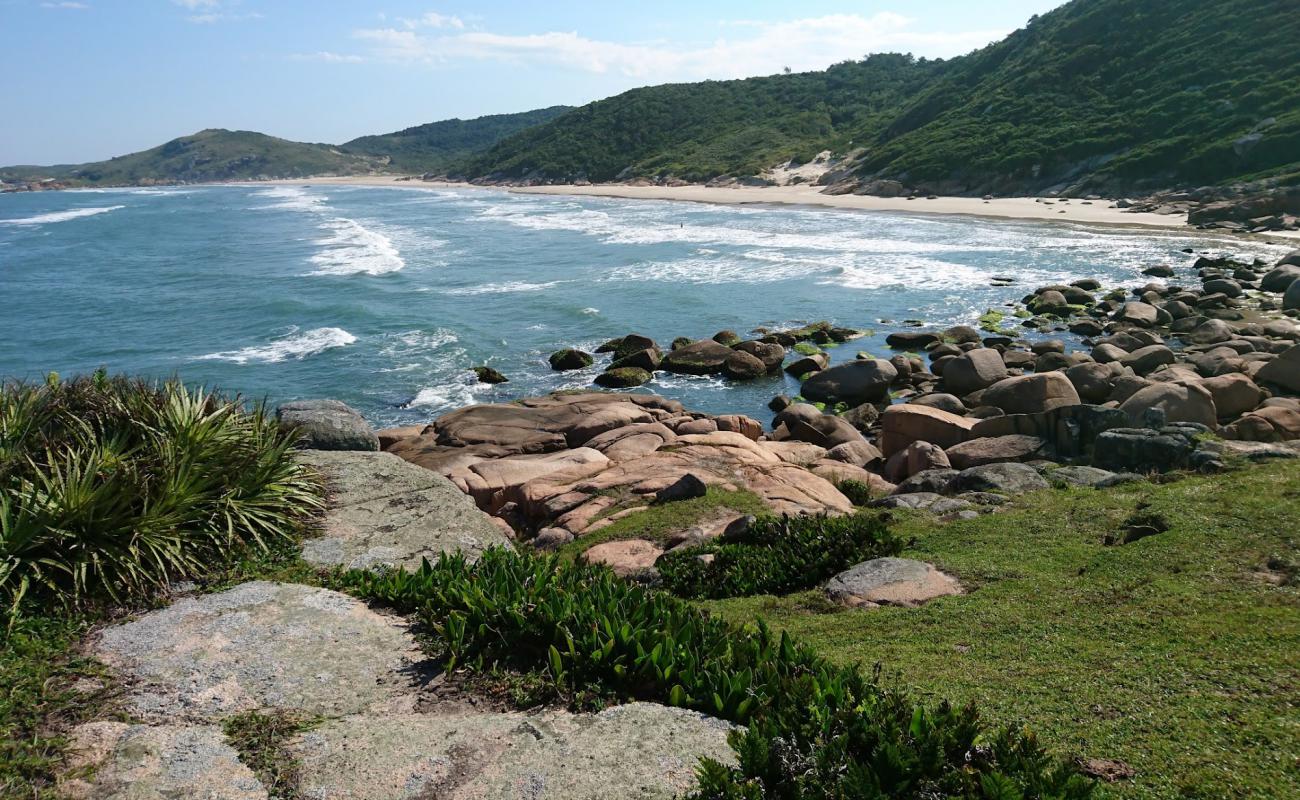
(386, 511)
(640, 750)
(262, 645)
(120, 761)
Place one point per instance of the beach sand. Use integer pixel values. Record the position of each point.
(1096, 212)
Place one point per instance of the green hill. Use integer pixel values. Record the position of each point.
(698, 130)
(210, 155)
(433, 146)
(1110, 93)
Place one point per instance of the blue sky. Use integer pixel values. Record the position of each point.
(88, 79)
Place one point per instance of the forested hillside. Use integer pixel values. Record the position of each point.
(434, 145)
(698, 130)
(1138, 93)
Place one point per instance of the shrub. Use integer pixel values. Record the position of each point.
(859, 493)
(777, 556)
(114, 486)
(814, 730)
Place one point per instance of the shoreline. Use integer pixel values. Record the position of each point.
(1095, 212)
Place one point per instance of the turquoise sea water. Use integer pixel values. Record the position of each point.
(384, 297)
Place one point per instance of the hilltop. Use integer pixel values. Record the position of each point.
(222, 155)
(435, 145)
(209, 155)
(1109, 95)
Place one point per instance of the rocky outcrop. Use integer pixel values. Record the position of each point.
(572, 462)
(327, 425)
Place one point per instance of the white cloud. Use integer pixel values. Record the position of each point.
(327, 56)
(761, 48)
(434, 20)
(196, 4)
(213, 11)
(77, 6)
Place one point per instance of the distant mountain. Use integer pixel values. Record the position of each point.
(431, 147)
(222, 155)
(1099, 94)
(209, 155)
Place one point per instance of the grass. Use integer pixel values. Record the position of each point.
(260, 738)
(1172, 654)
(659, 521)
(39, 697)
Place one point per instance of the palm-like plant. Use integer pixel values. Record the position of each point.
(115, 487)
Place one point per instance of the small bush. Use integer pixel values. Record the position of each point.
(859, 493)
(111, 486)
(814, 730)
(777, 556)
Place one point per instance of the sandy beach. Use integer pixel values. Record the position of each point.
(1096, 212)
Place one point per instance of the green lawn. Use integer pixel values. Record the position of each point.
(1174, 654)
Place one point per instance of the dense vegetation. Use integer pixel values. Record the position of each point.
(777, 555)
(813, 730)
(209, 155)
(110, 488)
(698, 130)
(1131, 92)
(433, 146)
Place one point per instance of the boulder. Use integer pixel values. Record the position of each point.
(384, 511)
(705, 357)
(623, 377)
(916, 457)
(862, 381)
(1281, 278)
(743, 366)
(1029, 394)
(1291, 298)
(489, 375)
(974, 370)
(1268, 424)
(626, 557)
(632, 343)
(1233, 394)
(995, 449)
(824, 430)
(562, 360)
(1211, 331)
(859, 454)
(1283, 371)
(916, 341)
(648, 360)
(1179, 402)
(1091, 381)
(1006, 478)
(861, 416)
(1146, 360)
(890, 581)
(327, 425)
(808, 365)
(1080, 476)
(930, 481)
(770, 353)
(903, 424)
(686, 487)
(1136, 313)
(941, 401)
(1141, 450)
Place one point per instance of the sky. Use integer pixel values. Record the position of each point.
(84, 80)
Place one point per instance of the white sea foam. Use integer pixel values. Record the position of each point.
(294, 345)
(292, 198)
(591, 312)
(353, 249)
(60, 216)
(508, 287)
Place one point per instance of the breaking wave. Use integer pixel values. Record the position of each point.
(295, 345)
(60, 216)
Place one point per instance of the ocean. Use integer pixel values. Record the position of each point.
(385, 297)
